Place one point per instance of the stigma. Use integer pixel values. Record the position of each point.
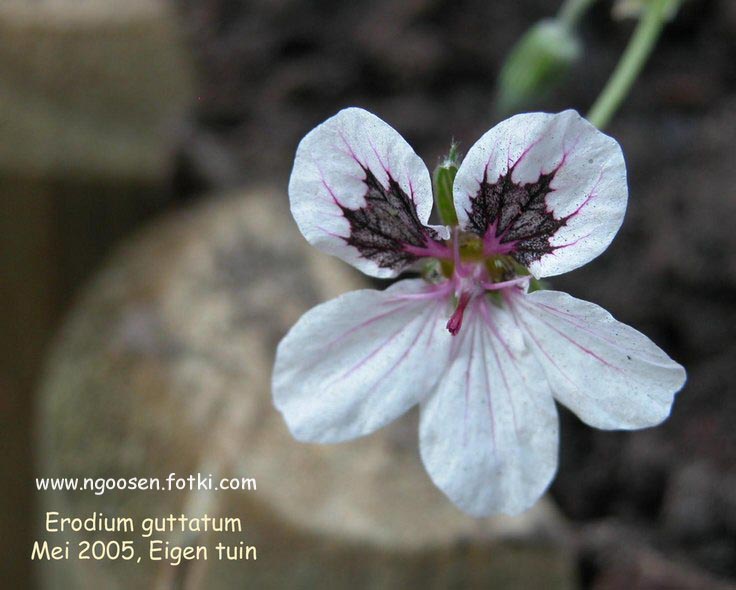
(456, 319)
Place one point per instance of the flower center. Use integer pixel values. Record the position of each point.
(473, 273)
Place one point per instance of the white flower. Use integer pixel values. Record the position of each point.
(485, 358)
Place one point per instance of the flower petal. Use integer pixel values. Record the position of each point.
(353, 364)
(609, 374)
(358, 191)
(489, 433)
(548, 189)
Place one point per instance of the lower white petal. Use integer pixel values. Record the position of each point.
(489, 433)
(609, 374)
(353, 364)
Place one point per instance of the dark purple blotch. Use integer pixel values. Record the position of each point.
(517, 214)
(382, 229)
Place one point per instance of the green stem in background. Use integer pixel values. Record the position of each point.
(444, 178)
(628, 68)
(572, 11)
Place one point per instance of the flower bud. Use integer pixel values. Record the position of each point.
(537, 64)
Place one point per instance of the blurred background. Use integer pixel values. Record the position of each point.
(114, 116)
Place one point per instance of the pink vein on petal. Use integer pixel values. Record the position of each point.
(325, 184)
(509, 393)
(494, 332)
(434, 328)
(512, 359)
(405, 353)
(575, 321)
(411, 191)
(563, 246)
(366, 323)
(386, 168)
(488, 399)
(491, 157)
(591, 195)
(488, 321)
(328, 232)
(508, 155)
(524, 153)
(492, 327)
(350, 149)
(571, 319)
(573, 147)
(466, 397)
(581, 347)
(529, 332)
(374, 352)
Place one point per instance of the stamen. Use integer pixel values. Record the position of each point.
(460, 269)
(456, 320)
(504, 284)
(438, 291)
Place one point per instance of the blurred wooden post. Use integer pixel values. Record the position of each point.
(90, 91)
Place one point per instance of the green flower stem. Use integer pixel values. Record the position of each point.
(572, 11)
(631, 63)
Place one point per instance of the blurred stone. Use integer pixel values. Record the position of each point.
(164, 366)
(90, 87)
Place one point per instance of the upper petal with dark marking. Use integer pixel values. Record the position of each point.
(358, 191)
(548, 189)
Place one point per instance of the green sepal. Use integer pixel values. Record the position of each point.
(537, 285)
(443, 180)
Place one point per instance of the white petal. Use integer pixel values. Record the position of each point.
(564, 199)
(353, 364)
(489, 433)
(336, 165)
(609, 374)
